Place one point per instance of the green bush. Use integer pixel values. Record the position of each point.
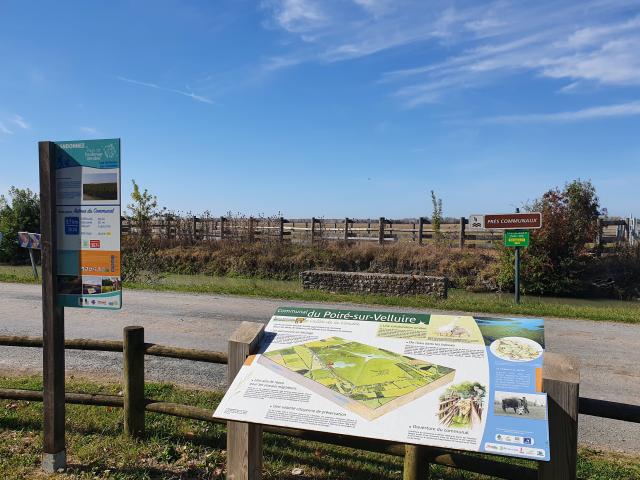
(20, 212)
(557, 257)
(614, 276)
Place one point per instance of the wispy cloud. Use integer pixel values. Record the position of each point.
(458, 45)
(591, 113)
(191, 95)
(298, 16)
(89, 130)
(4, 129)
(18, 120)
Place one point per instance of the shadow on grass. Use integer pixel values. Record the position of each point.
(345, 454)
(146, 472)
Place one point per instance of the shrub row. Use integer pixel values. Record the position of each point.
(474, 269)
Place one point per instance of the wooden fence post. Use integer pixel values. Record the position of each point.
(195, 227)
(221, 228)
(420, 229)
(133, 370)
(313, 229)
(598, 241)
(627, 230)
(381, 230)
(416, 466)
(346, 230)
(281, 230)
(463, 222)
(244, 440)
(561, 382)
(54, 455)
(250, 229)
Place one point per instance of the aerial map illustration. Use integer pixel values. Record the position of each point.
(367, 380)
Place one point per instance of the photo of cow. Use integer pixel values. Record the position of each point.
(520, 405)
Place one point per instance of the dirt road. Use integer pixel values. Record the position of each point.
(609, 353)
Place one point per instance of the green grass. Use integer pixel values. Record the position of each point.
(17, 274)
(175, 448)
(459, 300)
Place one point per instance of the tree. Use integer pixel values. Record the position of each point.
(143, 209)
(139, 260)
(436, 216)
(556, 258)
(20, 212)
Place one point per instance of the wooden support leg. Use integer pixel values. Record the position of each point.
(416, 466)
(244, 440)
(133, 369)
(561, 382)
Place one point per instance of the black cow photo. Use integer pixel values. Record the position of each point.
(520, 405)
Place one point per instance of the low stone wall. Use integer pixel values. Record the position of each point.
(375, 283)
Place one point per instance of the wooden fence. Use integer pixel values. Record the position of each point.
(173, 229)
(244, 441)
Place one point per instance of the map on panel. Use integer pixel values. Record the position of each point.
(367, 380)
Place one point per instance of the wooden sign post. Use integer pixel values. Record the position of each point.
(54, 451)
(80, 243)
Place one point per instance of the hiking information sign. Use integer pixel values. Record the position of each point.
(88, 223)
(462, 382)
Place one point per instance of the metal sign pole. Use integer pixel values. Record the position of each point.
(517, 272)
(54, 452)
(517, 279)
(33, 264)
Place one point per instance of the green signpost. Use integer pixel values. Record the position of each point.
(516, 238)
(516, 228)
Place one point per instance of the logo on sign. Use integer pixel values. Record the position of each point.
(476, 221)
(94, 243)
(72, 225)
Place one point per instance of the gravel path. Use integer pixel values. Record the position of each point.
(609, 353)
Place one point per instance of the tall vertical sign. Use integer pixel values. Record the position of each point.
(88, 223)
(80, 243)
(54, 452)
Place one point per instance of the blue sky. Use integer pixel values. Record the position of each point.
(331, 108)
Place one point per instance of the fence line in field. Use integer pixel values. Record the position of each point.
(560, 381)
(194, 230)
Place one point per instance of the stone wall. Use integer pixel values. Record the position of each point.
(375, 283)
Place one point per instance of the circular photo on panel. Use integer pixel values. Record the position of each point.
(516, 349)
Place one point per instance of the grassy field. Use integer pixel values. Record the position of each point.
(184, 449)
(459, 300)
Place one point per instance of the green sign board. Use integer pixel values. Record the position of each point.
(516, 238)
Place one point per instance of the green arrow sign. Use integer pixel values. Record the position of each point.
(516, 238)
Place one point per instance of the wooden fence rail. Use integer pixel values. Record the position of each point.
(436, 456)
(172, 229)
(560, 381)
(118, 346)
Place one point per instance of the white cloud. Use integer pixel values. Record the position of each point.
(192, 95)
(297, 15)
(592, 113)
(4, 129)
(459, 44)
(18, 120)
(377, 7)
(614, 63)
(89, 130)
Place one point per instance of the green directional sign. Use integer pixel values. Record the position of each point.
(516, 238)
